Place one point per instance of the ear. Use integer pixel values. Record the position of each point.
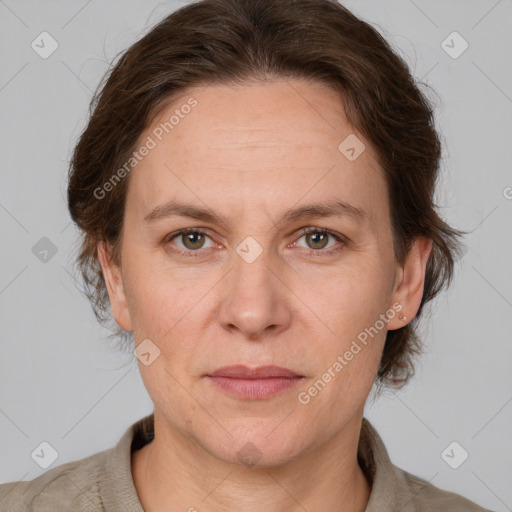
(409, 282)
(115, 287)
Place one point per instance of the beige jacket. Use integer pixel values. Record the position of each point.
(103, 482)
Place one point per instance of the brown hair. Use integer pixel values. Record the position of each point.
(242, 41)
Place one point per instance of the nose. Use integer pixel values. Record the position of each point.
(255, 300)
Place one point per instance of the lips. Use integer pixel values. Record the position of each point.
(245, 383)
(262, 372)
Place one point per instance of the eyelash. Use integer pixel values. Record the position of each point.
(305, 231)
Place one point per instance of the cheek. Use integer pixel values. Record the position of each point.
(348, 305)
(155, 292)
(350, 297)
(347, 362)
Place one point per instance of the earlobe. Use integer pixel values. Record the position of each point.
(115, 287)
(410, 282)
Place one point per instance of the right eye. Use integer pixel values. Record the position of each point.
(192, 240)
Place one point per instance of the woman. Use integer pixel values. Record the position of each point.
(255, 192)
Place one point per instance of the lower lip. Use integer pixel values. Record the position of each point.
(254, 389)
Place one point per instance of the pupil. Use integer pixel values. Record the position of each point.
(315, 237)
(190, 239)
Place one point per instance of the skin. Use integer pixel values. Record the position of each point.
(250, 153)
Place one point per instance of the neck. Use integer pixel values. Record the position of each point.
(174, 473)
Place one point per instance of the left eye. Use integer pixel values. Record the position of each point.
(317, 239)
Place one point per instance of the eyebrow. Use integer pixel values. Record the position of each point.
(335, 208)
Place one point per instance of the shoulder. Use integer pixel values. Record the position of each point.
(427, 497)
(70, 486)
(394, 488)
(92, 484)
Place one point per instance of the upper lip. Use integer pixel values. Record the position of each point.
(241, 371)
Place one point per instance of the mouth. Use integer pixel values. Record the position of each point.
(241, 371)
(248, 383)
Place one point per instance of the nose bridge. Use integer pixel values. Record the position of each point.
(253, 300)
(253, 280)
(252, 272)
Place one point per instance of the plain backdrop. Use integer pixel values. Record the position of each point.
(59, 381)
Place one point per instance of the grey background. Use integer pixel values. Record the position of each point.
(60, 383)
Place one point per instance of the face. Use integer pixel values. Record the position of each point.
(288, 261)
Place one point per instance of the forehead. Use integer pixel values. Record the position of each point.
(258, 144)
(267, 114)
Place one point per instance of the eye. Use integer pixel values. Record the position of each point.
(192, 240)
(317, 240)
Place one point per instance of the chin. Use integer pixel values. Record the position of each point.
(256, 446)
